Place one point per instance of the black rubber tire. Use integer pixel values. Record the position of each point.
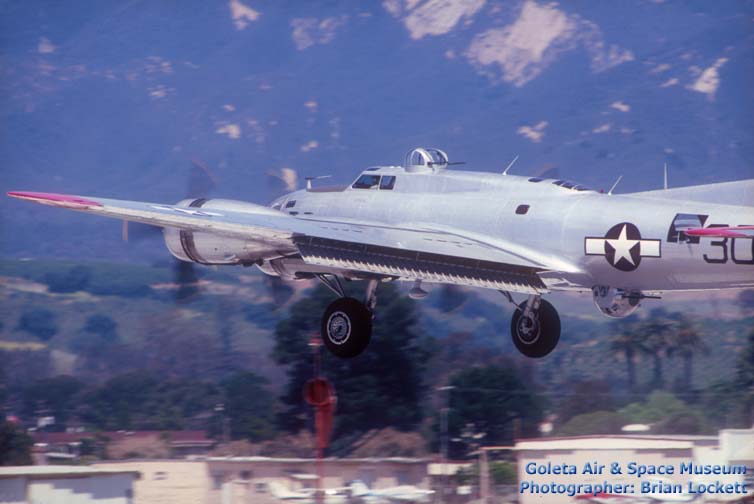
(346, 327)
(545, 336)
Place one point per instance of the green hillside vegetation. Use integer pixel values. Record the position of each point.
(121, 346)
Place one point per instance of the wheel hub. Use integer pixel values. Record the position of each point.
(338, 328)
(528, 330)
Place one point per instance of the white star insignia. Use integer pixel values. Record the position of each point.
(623, 246)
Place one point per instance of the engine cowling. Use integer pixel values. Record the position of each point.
(614, 302)
(208, 248)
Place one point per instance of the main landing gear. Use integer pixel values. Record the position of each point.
(347, 322)
(535, 326)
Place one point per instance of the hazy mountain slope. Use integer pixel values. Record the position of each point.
(116, 99)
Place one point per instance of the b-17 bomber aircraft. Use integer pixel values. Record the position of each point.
(423, 222)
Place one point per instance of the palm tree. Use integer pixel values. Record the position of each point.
(686, 341)
(656, 330)
(628, 343)
(744, 381)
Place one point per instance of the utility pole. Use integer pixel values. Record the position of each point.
(484, 476)
(224, 425)
(444, 439)
(485, 484)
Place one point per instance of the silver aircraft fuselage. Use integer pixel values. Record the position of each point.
(565, 224)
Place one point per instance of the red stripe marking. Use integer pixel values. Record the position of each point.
(724, 232)
(54, 199)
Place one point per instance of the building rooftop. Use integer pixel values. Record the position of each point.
(174, 437)
(641, 442)
(397, 460)
(59, 471)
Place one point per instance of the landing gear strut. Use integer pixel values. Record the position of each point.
(347, 322)
(535, 327)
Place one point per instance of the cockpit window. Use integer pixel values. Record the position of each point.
(290, 204)
(535, 179)
(388, 182)
(366, 182)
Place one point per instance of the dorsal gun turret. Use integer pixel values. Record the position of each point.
(429, 160)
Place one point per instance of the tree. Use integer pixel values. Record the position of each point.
(15, 445)
(39, 322)
(744, 380)
(249, 407)
(657, 330)
(686, 341)
(57, 397)
(492, 401)
(187, 280)
(380, 388)
(501, 472)
(103, 326)
(262, 315)
(450, 298)
(596, 422)
(73, 280)
(745, 300)
(585, 397)
(94, 339)
(666, 413)
(144, 401)
(182, 348)
(629, 342)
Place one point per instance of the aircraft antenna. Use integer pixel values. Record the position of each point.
(505, 172)
(616, 183)
(665, 185)
(309, 180)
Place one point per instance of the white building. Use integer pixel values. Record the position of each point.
(242, 479)
(732, 447)
(166, 481)
(262, 480)
(65, 484)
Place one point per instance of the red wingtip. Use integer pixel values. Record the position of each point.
(62, 200)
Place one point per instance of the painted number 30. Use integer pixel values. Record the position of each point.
(726, 245)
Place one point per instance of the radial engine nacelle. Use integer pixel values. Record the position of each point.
(614, 302)
(209, 248)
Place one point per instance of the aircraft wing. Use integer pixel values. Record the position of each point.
(442, 255)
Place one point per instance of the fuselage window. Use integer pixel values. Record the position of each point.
(366, 182)
(290, 204)
(388, 182)
(522, 209)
